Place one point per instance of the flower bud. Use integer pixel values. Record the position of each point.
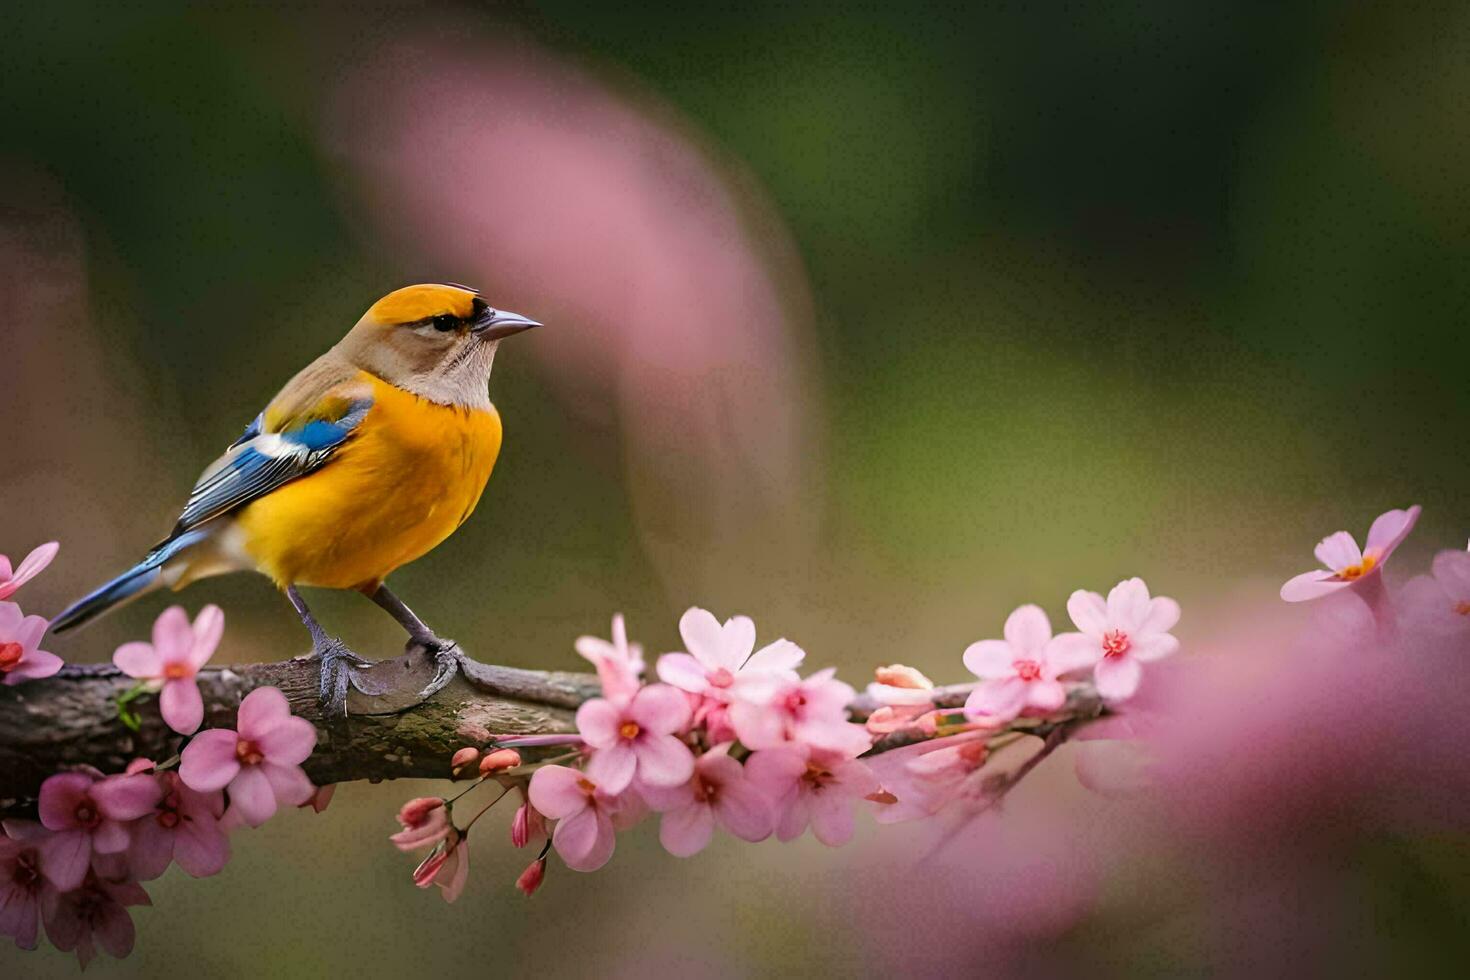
(531, 878)
(462, 766)
(499, 761)
(899, 675)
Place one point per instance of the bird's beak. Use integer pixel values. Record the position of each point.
(496, 324)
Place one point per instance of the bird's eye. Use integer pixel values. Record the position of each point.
(445, 322)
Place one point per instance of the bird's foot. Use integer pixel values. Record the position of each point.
(337, 662)
(446, 654)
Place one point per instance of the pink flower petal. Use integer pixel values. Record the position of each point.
(289, 743)
(252, 797)
(209, 627)
(759, 726)
(703, 638)
(1117, 678)
(260, 711)
(1128, 604)
(597, 722)
(35, 665)
(831, 814)
(110, 837)
(30, 631)
(1389, 531)
(659, 708)
(1089, 612)
(1002, 699)
(10, 619)
(556, 791)
(743, 811)
(1163, 615)
(1072, 651)
(65, 858)
(585, 840)
(1452, 571)
(1338, 551)
(612, 768)
(181, 705)
(209, 761)
(1151, 647)
(60, 795)
(112, 927)
(664, 761)
(989, 659)
(687, 830)
(780, 656)
(1027, 629)
(455, 872)
(151, 850)
(1045, 695)
(31, 566)
(139, 660)
(289, 783)
(1312, 585)
(682, 671)
(793, 813)
(173, 636)
(126, 797)
(201, 848)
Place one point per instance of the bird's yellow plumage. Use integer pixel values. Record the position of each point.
(367, 459)
(337, 528)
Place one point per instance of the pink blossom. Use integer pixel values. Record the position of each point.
(169, 664)
(86, 813)
(810, 786)
(773, 709)
(718, 652)
(31, 566)
(528, 825)
(425, 823)
(1347, 565)
(926, 776)
(21, 657)
(1119, 635)
(448, 866)
(904, 695)
(619, 663)
(1020, 672)
(717, 793)
(584, 835)
(1440, 603)
(531, 878)
(21, 881)
(898, 684)
(93, 914)
(183, 828)
(637, 738)
(260, 764)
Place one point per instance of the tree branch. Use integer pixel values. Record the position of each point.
(392, 731)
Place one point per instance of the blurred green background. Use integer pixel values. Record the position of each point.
(1097, 289)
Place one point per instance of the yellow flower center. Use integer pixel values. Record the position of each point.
(1354, 572)
(629, 729)
(1463, 607)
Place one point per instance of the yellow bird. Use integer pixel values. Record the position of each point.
(366, 460)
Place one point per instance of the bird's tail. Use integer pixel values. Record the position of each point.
(142, 578)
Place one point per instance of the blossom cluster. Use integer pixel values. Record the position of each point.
(732, 738)
(80, 866)
(21, 656)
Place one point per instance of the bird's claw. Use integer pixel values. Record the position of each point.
(337, 661)
(446, 654)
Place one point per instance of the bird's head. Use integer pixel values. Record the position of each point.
(437, 340)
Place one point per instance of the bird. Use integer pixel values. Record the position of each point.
(369, 458)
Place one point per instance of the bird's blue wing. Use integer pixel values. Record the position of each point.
(260, 461)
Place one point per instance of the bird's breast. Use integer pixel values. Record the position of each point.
(411, 474)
